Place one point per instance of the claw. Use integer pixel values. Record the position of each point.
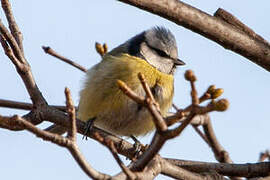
(137, 146)
(88, 127)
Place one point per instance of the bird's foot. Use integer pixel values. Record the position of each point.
(138, 147)
(88, 127)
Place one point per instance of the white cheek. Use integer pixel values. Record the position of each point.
(163, 64)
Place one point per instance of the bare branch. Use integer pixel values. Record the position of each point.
(173, 171)
(110, 145)
(209, 27)
(15, 104)
(70, 144)
(221, 154)
(149, 102)
(232, 20)
(250, 45)
(12, 43)
(190, 76)
(170, 120)
(21, 65)
(131, 94)
(194, 109)
(23, 105)
(10, 54)
(51, 52)
(201, 134)
(72, 132)
(195, 126)
(153, 106)
(162, 134)
(12, 23)
(248, 170)
(179, 129)
(9, 123)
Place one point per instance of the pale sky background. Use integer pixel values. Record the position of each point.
(72, 28)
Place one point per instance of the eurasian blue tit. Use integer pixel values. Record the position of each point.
(154, 54)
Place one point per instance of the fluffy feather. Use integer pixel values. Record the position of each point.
(114, 111)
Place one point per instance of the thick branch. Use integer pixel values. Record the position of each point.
(210, 27)
(232, 20)
(171, 170)
(127, 149)
(241, 170)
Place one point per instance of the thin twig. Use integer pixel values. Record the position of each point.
(195, 127)
(149, 102)
(131, 94)
(179, 129)
(21, 65)
(220, 153)
(12, 43)
(190, 76)
(194, 108)
(72, 132)
(126, 170)
(201, 134)
(10, 54)
(163, 133)
(220, 105)
(173, 171)
(15, 31)
(23, 105)
(51, 52)
(110, 145)
(146, 88)
(153, 106)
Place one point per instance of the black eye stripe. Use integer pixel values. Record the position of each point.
(161, 53)
(158, 51)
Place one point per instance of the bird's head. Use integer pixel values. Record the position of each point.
(158, 47)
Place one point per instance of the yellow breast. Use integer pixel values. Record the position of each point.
(115, 112)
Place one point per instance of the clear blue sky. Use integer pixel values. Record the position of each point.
(72, 28)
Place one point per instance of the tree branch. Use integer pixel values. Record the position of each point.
(247, 170)
(23, 105)
(220, 153)
(210, 27)
(110, 145)
(69, 142)
(23, 68)
(51, 52)
(15, 31)
(249, 45)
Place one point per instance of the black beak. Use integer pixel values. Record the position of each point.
(179, 62)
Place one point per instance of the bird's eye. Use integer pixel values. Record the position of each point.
(161, 53)
(158, 51)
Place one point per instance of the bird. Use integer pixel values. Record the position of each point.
(153, 53)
